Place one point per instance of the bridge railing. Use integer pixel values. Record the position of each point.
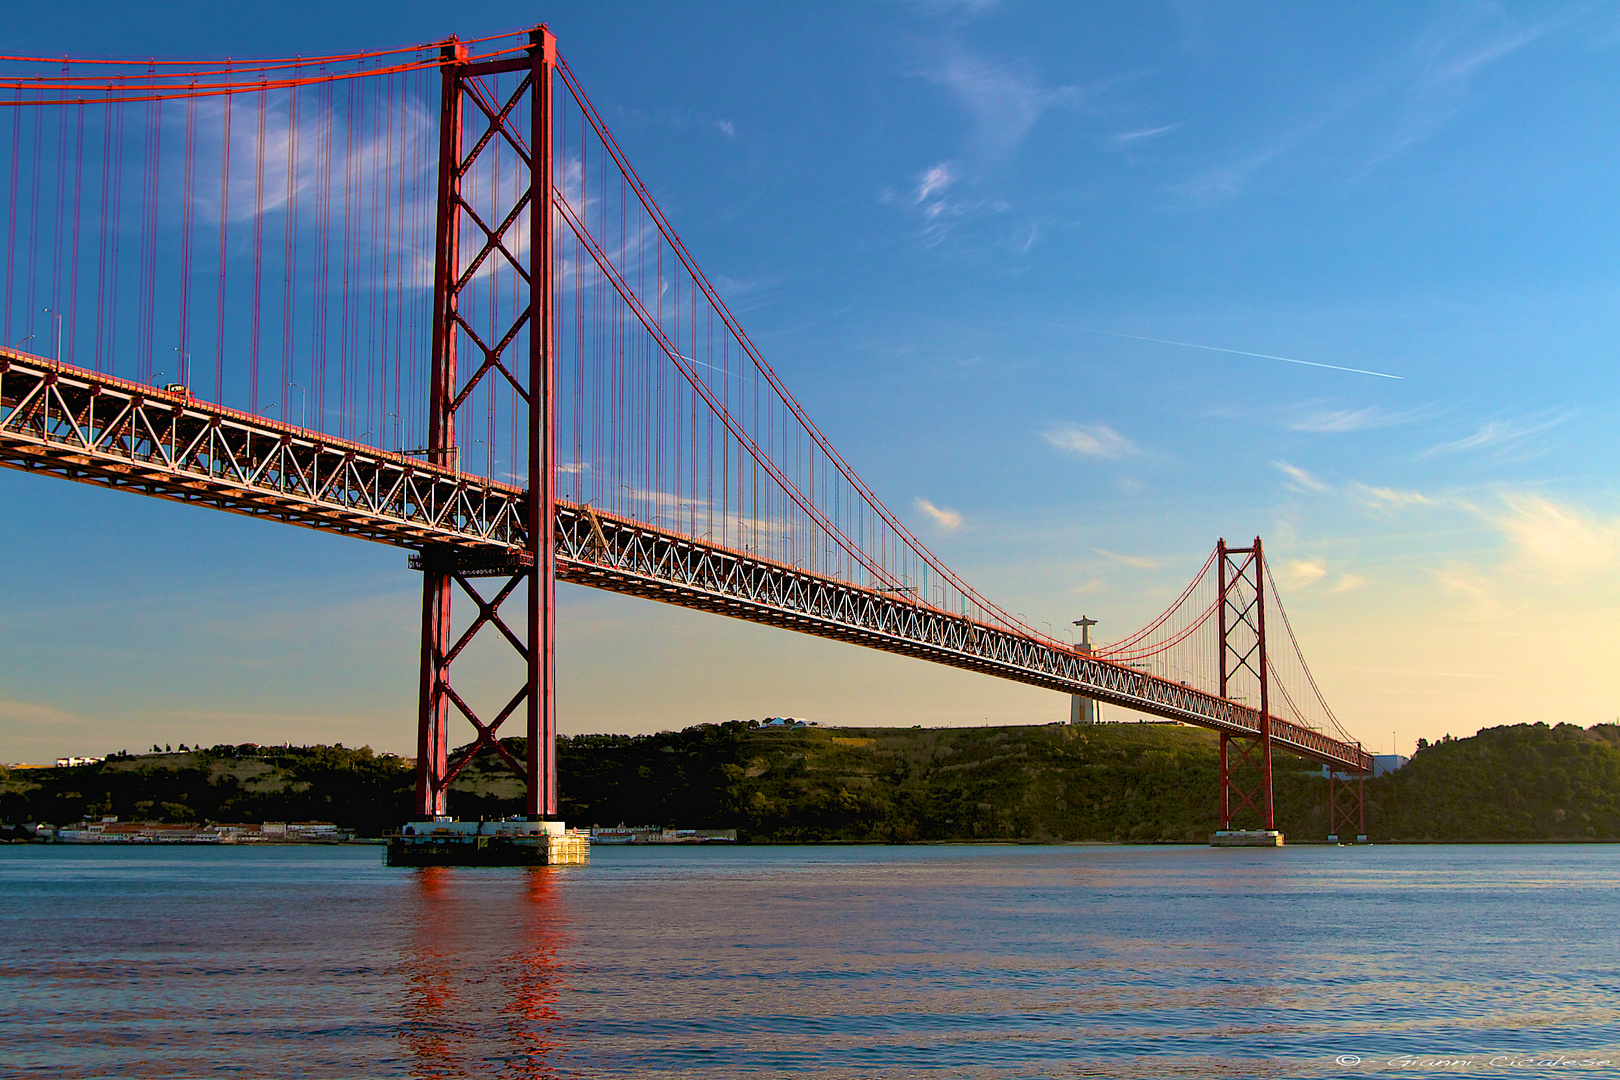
(96, 428)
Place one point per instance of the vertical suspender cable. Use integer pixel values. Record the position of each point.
(257, 313)
(224, 217)
(17, 114)
(58, 268)
(115, 245)
(73, 247)
(187, 189)
(289, 214)
(33, 230)
(146, 312)
(108, 168)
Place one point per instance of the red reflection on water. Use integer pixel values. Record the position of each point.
(483, 973)
(533, 1021)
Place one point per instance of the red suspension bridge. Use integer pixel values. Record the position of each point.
(421, 297)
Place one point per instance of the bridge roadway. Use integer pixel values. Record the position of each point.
(84, 426)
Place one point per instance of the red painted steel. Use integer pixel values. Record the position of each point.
(1347, 805)
(85, 426)
(432, 781)
(1242, 643)
(578, 400)
(542, 727)
(460, 168)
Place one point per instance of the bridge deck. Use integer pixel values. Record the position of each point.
(82, 425)
(92, 428)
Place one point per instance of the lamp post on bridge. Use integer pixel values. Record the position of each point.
(1083, 710)
(58, 319)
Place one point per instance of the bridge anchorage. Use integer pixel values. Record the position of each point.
(503, 359)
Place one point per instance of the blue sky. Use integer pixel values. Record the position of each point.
(937, 219)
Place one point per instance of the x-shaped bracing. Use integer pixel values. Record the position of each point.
(488, 615)
(494, 238)
(1246, 797)
(1344, 804)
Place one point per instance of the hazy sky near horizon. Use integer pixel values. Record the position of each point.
(967, 235)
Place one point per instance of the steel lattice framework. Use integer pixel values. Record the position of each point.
(1241, 638)
(86, 426)
(518, 348)
(629, 557)
(468, 260)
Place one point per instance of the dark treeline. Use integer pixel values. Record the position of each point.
(350, 787)
(1124, 782)
(1522, 782)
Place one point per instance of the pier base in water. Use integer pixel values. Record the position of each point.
(445, 842)
(1246, 838)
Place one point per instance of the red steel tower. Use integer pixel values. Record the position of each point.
(1241, 618)
(496, 124)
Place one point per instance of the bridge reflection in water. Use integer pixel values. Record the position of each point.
(483, 970)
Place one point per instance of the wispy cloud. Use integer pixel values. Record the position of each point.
(1347, 581)
(1386, 500)
(932, 200)
(1226, 180)
(1434, 82)
(1402, 100)
(1003, 97)
(958, 9)
(1093, 440)
(1138, 562)
(1559, 539)
(947, 520)
(1502, 436)
(1478, 592)
(1300, 480)
(28, 714)
(1129, 138)
(929, 196)
(1380, 500)
(1333, 421)
(1321, 419)
(1299, 573)
(677, 120)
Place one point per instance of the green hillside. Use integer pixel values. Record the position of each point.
(1109, 782)
(353, 788)
(1523, 782)
(1117, 782)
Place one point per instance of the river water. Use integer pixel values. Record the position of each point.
(839, 962)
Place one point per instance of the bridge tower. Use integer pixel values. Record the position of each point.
(1346, 805)
(528, 342)
(1241, 622)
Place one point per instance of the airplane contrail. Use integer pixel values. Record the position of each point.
(1238, 352)
(1234, 352)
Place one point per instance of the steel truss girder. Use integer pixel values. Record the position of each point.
(94, 428)
(621, 555)
(97, 429)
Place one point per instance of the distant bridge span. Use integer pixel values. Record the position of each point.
(85, 426)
